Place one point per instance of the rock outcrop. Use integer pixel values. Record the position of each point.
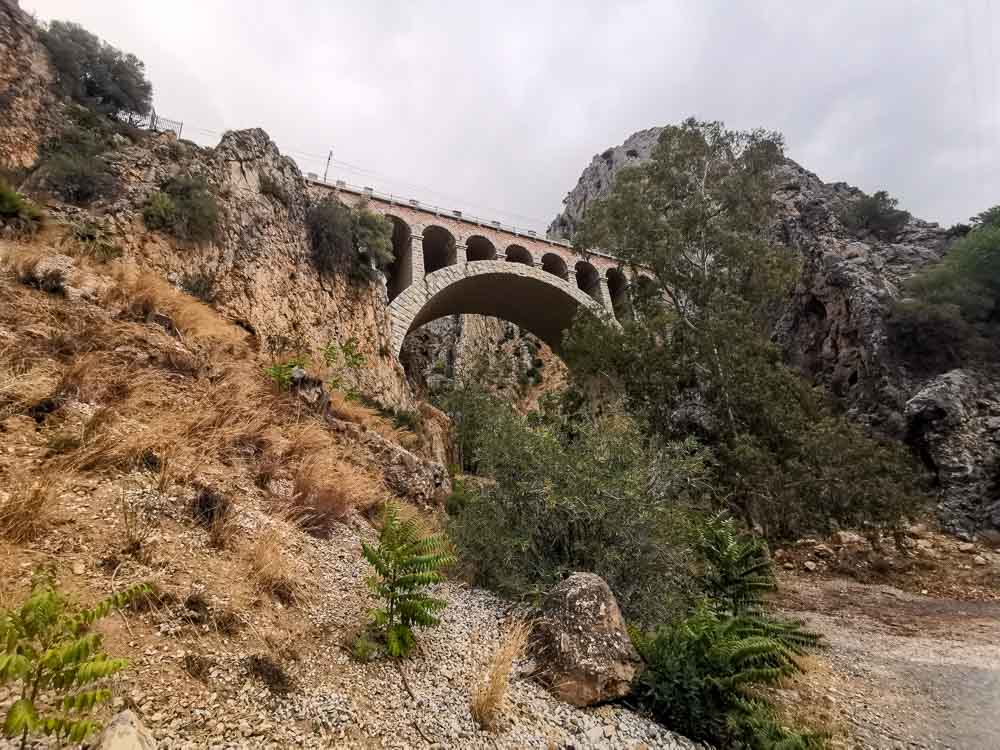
(29, 109)
(581, 642)
(834, 326)
(126, 732)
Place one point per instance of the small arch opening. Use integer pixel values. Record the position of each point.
(555, 265)
(518, 254)
(618, 289)
(478, 247)
(439, 249)
(399, 275)
(588, 280)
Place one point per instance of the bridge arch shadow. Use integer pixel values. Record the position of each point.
(529, 297)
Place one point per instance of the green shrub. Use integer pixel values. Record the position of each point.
(94, 73)
(342, 238)
(281, 372)
(48, 648)
(94, 241)
(563, 492)
(701, 674)
(186, 208)
(17, 213)
(701, 671)
(930, 337)
(876, 214)
(78, 178)
(159, 212)
(405, 563)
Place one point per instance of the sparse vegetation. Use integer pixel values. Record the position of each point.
(490, 692)
(271, 568)
(26, 508)
(326, 489)
(348, 239)
(406, 562)
(93, 241)
(185, 207)
(281, 372)
(877, 215)
(51, 652)
(17, 214)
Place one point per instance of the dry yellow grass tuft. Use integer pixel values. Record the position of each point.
(351, 411)
(26, 512)
(144, 294)
(271, 568)
(327, 489)
(490, 692)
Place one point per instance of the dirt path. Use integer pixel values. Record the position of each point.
(902, 670)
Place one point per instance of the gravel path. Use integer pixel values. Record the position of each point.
(902, 670)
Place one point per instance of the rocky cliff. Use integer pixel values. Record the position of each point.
(834, 328)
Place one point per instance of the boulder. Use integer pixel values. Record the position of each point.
(581, 644)
(126, 732)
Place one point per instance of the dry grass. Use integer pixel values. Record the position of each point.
(489, 694)
(23, 384)
(136, 526)
(327, 489)
(348, 410)
(271, 568)
(145, 294)
(29, 268)
(27, 512)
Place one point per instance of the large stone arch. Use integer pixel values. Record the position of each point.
(530, 297)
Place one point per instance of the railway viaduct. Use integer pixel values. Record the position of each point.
(448, 263)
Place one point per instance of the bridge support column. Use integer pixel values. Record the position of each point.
(604, 295)
(416, 259)
(461, 254)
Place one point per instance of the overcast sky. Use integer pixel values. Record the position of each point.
(496, 108)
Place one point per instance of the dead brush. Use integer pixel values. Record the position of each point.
(144, 294)
(271, 568)
(137, 527)
(27, 509)
(349, 410)
(327, 489)
(490, 692)
(24, 383)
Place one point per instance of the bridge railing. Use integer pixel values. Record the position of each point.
(399, 200)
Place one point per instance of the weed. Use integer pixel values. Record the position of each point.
(27, 510)
(489, 694)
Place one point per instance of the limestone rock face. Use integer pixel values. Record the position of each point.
(258, 272)
(834, 328)
(29, 110)
(582, 644)
(126, 732)
(954, 420)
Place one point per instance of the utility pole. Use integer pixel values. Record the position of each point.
(328, 158)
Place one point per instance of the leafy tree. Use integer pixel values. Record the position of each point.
(953, 315)
(695, 222)
(563, 491)
(341, 237)
(96, 74)
(876, 214)
(406, 563)
(49, 649)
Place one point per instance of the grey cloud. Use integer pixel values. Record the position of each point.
(496, 108)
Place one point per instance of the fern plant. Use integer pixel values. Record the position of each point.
(48, 648)
(702, 673)
(737, 568)
(406, 562)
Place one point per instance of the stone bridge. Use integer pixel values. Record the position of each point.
(448, 263)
